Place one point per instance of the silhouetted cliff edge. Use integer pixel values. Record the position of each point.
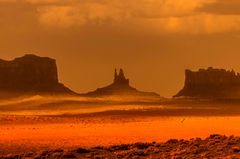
(31, 74)
(211, 83)
(120, 86)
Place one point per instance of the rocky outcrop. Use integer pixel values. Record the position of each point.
(217, 83)
(214, 146)
(119, 79)
(31, 74)
(120, 86)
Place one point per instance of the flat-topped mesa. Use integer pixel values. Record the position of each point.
(211, 82)
(120, 86)
(31, 73)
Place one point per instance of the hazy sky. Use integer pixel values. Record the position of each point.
(153, 40)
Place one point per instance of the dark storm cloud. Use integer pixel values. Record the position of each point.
(222, 7)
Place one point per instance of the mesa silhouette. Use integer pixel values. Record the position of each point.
(31, 74)
(120, 86)
(211, 83)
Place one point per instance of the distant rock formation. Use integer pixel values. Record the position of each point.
(216, 83)
(120, 86)
(31, 74)
(119, 79)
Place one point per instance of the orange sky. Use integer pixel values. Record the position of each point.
(153, 40)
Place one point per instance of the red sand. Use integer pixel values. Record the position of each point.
(20, 133)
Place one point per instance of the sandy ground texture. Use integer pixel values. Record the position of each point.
(214, 146)
(32, 135)
(37, 128)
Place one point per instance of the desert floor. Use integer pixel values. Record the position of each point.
(27, 131)
(23, 134)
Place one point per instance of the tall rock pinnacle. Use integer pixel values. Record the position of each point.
(120, 79)
(121, 87)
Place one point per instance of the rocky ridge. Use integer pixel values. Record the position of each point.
(214, 146)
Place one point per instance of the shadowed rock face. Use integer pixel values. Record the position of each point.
(119, 79)
(120, 86)
(31, 73)
(211, 82)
